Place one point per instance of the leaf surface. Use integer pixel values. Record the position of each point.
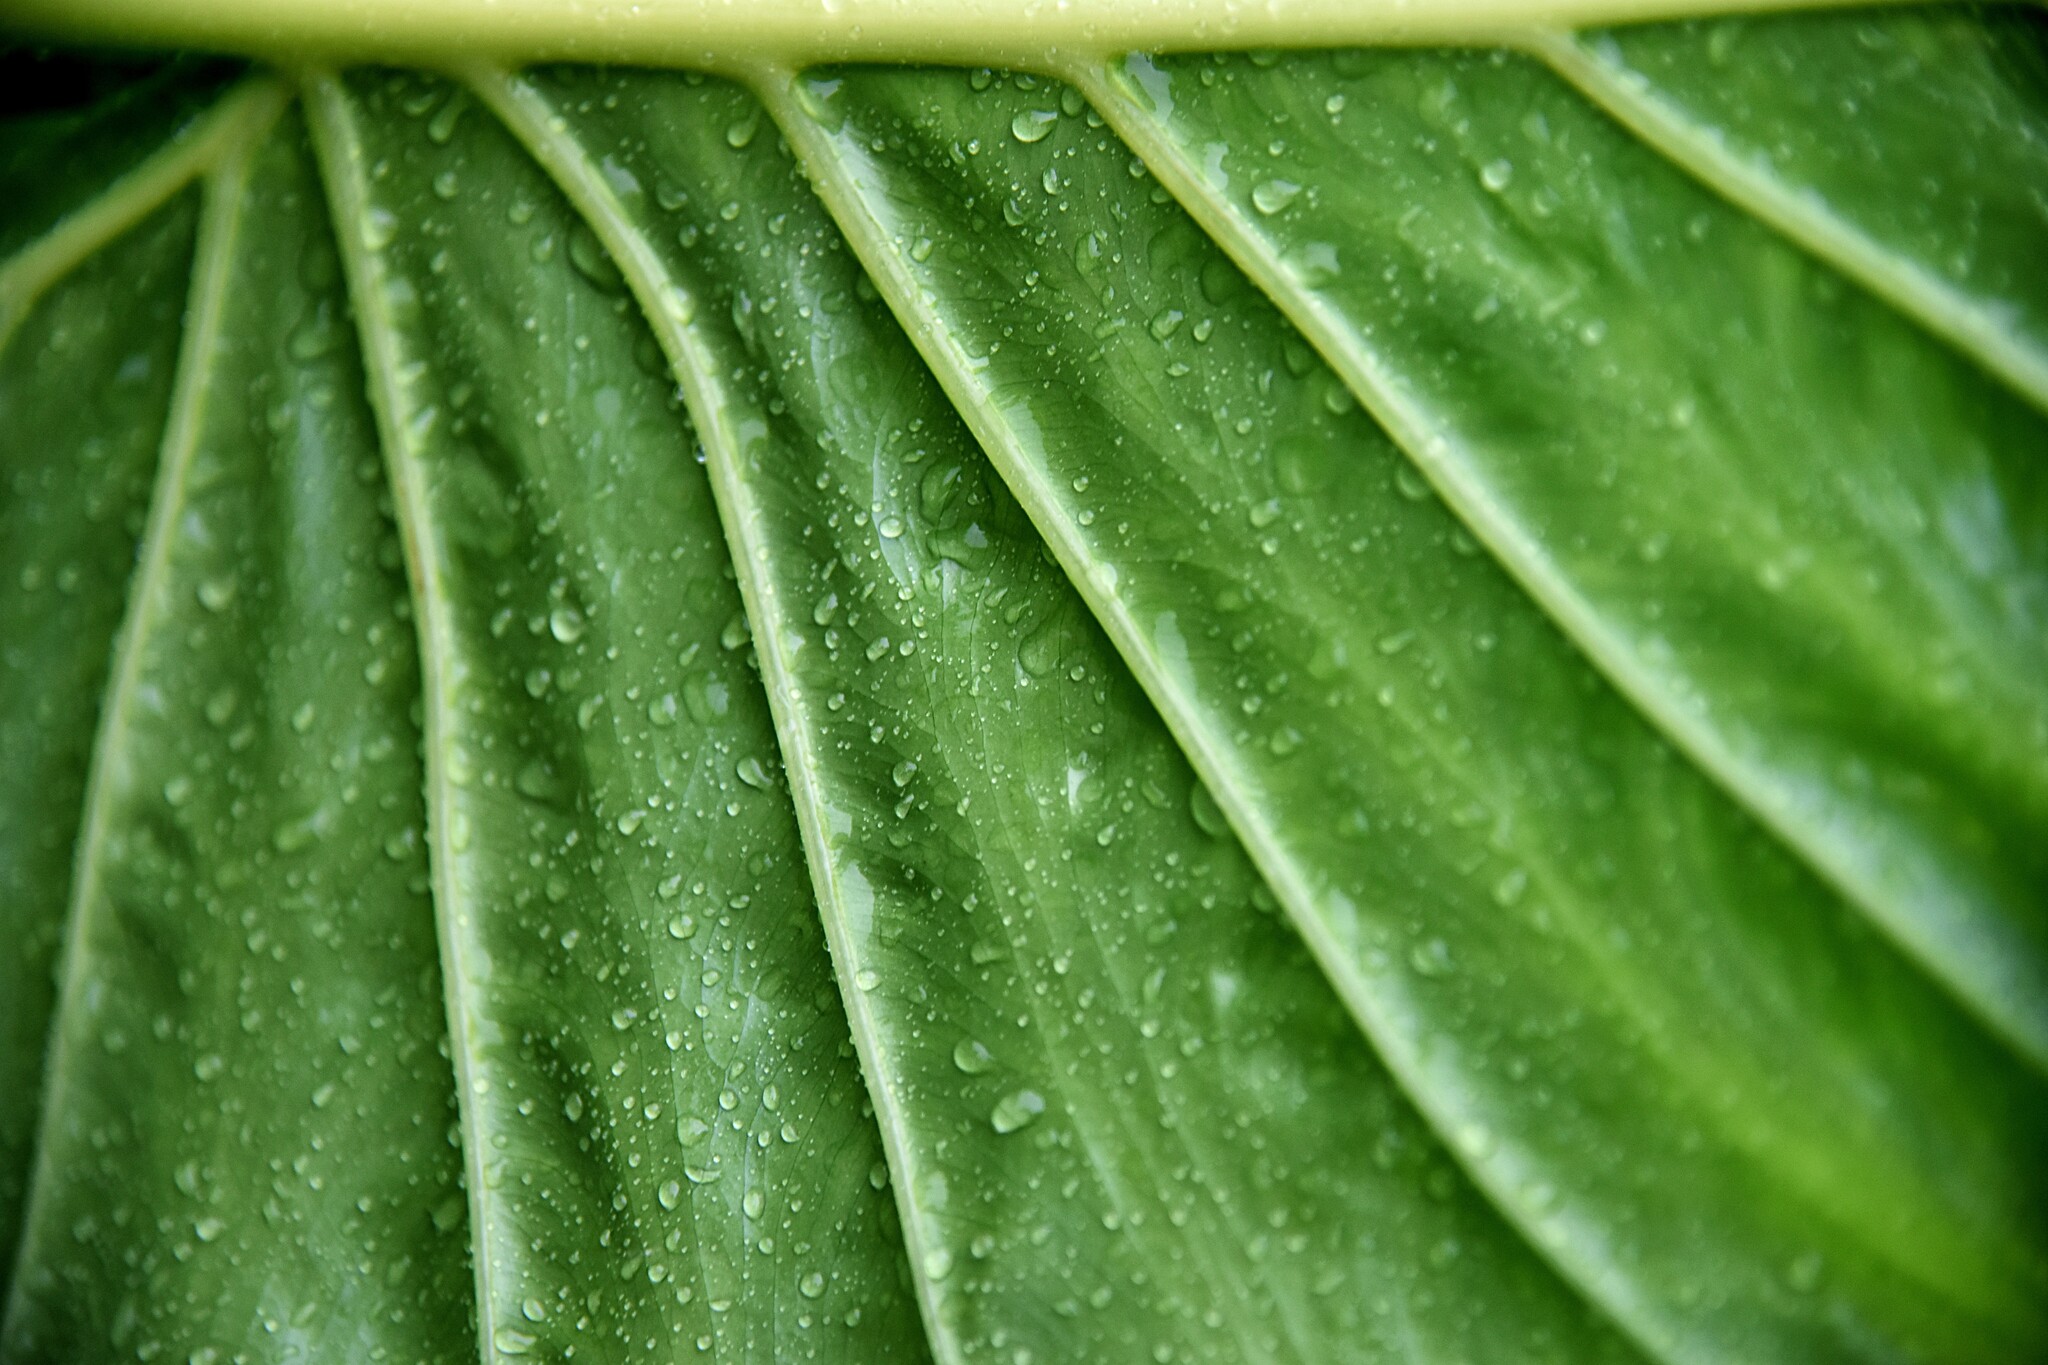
(1805, 539)
(70, 516)
(247, 1064)
(1692, 1087)
(56, 161)
(1065, 973)
(1907, 147)
(662, 1115)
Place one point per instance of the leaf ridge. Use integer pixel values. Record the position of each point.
(1806, 220)
(664, 303)
(338, 148)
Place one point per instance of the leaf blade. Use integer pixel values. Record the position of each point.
(1348, 637)
(899, 593)
(63, 527)
(213, 838)
(1899, 147)
(1855, 562)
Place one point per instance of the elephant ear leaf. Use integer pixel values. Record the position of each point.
(1305, 706)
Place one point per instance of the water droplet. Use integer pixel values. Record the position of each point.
(972, 1057)
(670, 1194)
(811, 1285)
(1032, 125)
(740, 132)
(1497, 174)
(566, 624)
(380, 226)
(1208, 815)
(216, 593)
(938, 1263)
(1432, 958)
(1271, 196)
(511, 1341)
(1016, 1110)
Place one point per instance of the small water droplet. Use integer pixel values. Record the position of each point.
(1016, 1110)
(566, 624)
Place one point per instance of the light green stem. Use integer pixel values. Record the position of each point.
(715, 32)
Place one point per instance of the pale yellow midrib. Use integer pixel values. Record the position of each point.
(715, 32)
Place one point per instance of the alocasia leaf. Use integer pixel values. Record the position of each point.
(662, 1118)
(246, 1144)
(1620, 656)
(1436, 784)
(1064, 972)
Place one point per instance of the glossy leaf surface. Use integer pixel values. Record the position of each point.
(785, 716)
(58, 161)
(248, 1074)
(662, 1117)
(1065, 973)
(1807, 540)
(1906, 147)
(1336, 653)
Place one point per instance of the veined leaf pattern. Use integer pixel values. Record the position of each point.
(1355, 706)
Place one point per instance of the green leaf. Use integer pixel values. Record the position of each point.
(1352, 706)
(1062, 971)
(661, 1118)
(1435, 784)
(247, 1074)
